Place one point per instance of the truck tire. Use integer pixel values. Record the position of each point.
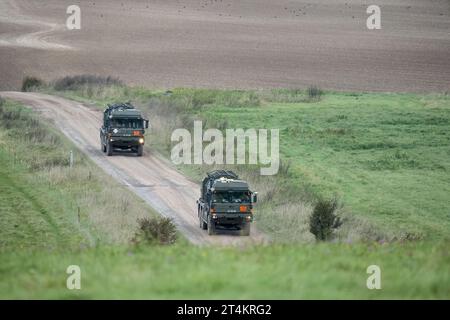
(211, 227)
(203, 224)
(245, 229)
(102, 146)
(140, 150)
(109, 149)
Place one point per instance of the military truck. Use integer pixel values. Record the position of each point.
(123, 128)
(225, 201)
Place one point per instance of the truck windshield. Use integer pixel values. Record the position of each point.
(127, 123)
(231, 197)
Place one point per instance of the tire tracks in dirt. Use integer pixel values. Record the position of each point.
(10, 13)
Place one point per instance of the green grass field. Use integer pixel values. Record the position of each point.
(320, 271)
(384, 155)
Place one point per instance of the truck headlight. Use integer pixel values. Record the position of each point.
(141, 140)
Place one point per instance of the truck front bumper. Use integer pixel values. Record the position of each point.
(126, 142)
(232, 218)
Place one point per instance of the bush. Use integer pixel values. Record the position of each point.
(324, 219)
(31, 83)
(76, 82)
(155, 231)
(314, 93)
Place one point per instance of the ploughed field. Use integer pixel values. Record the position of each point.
(231, 43)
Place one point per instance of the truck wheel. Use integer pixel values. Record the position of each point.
(102, 146)
(211, 227)
(203, 225)
(140, 150)
(109, 149)
(245, 229)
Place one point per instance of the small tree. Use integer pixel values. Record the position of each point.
(324, 219)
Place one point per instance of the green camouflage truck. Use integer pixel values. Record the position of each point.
(123, 128)
(225, 201)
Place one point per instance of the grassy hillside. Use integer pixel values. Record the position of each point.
(385, 156)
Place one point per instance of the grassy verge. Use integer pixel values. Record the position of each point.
(47, 203)
(322, 271)
(383, 155)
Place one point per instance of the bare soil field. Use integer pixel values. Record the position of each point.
(231, 43)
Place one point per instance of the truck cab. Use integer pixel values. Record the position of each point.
(123, 128)
(225, 201)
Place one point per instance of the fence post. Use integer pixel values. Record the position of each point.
(71, 159)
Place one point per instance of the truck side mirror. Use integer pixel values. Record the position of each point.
(146, 124)
(254, 197)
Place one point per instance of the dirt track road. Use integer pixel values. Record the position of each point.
(151, 177)
(231, 43)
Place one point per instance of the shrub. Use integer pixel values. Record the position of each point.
(314, 93)
(76, 82)
(155, 231)
(324, 219)
(30, 83)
